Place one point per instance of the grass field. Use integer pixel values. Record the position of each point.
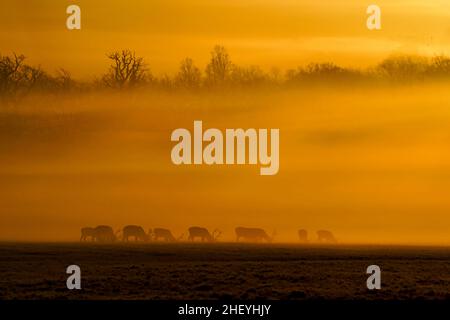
(222, 271)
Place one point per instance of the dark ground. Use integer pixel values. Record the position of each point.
(222, 271)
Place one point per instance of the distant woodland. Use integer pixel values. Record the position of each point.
(129, 70)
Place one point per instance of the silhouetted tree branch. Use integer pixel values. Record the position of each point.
(189, 76)
(126, 70)
(218, 70)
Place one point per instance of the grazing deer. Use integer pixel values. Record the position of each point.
(164, 234)
(252, 234)
(134, 231)
(87, 232)
(203, 234)
(325, 236)
(104, 234)
(303, 236)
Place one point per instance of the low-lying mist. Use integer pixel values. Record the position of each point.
(368, 163)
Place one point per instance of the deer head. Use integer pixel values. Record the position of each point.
(117, 234)
(274, 233)
(216, 233)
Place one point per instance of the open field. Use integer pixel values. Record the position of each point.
(222, 271)
(146, 142)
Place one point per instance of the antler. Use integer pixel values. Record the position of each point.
(216, 233)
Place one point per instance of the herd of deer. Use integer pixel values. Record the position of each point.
(131, 232)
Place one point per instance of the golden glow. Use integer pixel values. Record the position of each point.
(268, 33)
(370, 164)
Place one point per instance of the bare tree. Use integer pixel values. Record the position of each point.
(16, 76)
(440, 66)
(403, 68)
(64, 79)
(189, 76)
(35, 77)
(219, 68)
(11, 72)
(126, 70)
(248, 76)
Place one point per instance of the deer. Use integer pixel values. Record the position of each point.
(253, 234)
(164, 234)
(137, 232)
(87, 232)
(325, 236)
(303, 236)
(104, 233)
(203, 234)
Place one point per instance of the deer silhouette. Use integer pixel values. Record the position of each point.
(303, 235)
(252, 234)
(87, 232)
(164, 234)
(203, 234)
(325, 236)
(100, 234)
(136, 232)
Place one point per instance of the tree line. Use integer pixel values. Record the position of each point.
(128, 70)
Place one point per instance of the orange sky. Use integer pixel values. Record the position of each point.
(370, 165)
(264, 32)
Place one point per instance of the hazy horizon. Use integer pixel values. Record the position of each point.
(256, 32)
(104, 158)
(370, 163)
